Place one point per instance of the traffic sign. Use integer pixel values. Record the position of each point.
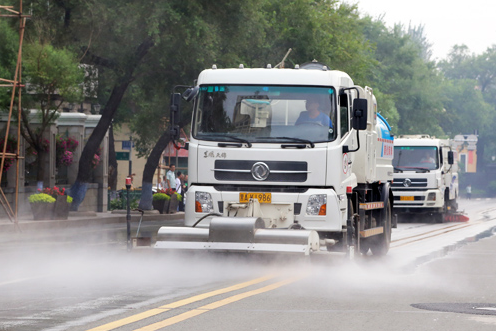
(122, 156)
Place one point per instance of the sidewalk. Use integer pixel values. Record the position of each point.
(82, 219)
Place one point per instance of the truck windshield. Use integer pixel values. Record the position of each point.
(265, 113)
(413, 158)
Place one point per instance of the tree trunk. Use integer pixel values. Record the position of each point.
(149, 170)
(78, 189)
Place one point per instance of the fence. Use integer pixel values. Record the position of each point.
(118, 199)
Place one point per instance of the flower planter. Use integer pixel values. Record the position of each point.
(42, 211)
(61, 208)
(161, 205)
(173, 204)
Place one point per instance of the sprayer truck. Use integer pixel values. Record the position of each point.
(284, 160)
(425, 179)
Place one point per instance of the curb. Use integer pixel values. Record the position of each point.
(84, 219)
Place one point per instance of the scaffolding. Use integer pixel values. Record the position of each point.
(15, 84)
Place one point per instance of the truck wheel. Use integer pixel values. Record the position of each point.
(353, 234)
(364, 246)
(379, 245)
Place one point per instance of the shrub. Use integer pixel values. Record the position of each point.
(121, 203)
(491, 188)
(179, 196)
(160, 196)
(41, 198)
(69, 199)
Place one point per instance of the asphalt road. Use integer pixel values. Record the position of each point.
(435, 277)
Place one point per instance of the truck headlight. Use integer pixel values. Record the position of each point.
(203, 202)
(431, 196)
(317, 204)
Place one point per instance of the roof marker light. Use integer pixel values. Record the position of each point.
(269, 66)
(297, 66)
(241, 66)
(214, 66)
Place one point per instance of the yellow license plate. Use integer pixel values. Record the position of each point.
(406, 198)
(261, 197)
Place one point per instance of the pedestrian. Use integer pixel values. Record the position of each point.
(179, 189)
(171, 177)
(163, 184)
(185, 183)
(469, 191)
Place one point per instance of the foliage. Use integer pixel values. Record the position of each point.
(491, 188)
(65, 148)
(11, 148)
(53, 76)
(9, 43)
(97, 157)
(167, 191)
(41, 198)
(121, 203)
(53, 191)
(160, 196)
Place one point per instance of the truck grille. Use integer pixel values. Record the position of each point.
(399, 183)
(280, 171)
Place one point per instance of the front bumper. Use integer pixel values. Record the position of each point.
(429, 200)
(285, 209)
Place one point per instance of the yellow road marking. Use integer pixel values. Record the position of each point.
(164, 308)
(214, 305)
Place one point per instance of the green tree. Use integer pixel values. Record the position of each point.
(9, 43)
(53, 76)
(407, 85)
(476, 75)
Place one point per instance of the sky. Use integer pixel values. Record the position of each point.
(446, 22)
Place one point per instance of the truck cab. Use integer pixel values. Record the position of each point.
(425, 176)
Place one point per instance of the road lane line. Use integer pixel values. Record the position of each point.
(183, 302)
(214, 305)
(19, 280)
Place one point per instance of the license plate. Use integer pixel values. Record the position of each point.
(407, 198)
(261, 197)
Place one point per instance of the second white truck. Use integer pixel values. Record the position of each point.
(425, 177)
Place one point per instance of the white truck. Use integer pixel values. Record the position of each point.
(269, 173)
(425, 177)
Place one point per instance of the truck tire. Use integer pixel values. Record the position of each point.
(350, 233)
(379, 245)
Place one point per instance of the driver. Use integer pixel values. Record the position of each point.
(313, 114)
(427, 158)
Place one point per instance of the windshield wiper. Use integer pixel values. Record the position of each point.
(398, 169)
(305, 141)
(414, 168)
(229, 137)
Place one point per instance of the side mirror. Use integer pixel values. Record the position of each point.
(451, 157)
(359, 114)
(191, 93)
(175, 115)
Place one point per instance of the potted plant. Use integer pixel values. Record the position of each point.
(42, 206)
(62, 202)
(65, 149)
(160, 202)
(174, 201)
